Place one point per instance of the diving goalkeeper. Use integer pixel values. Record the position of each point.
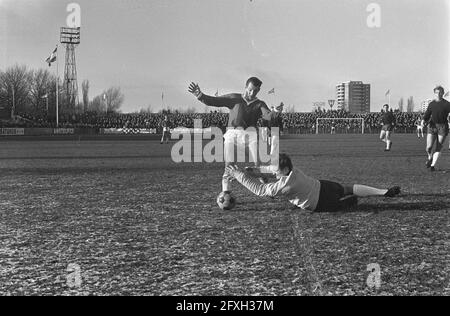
(306, 192)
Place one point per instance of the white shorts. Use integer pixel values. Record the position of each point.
(241, 139)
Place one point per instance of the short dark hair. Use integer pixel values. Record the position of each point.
(285, 162)
(386, 105)
(256, 82)
(439, 88)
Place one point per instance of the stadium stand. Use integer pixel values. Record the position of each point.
(294, 123)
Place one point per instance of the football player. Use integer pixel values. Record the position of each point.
(245, 111)
(306, 192)
(436, 117)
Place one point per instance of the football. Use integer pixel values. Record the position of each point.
(226, 201)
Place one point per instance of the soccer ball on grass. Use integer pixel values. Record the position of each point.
(226, 201)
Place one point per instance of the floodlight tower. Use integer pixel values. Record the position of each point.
(71, 38)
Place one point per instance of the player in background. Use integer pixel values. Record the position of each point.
(245, 111)
(306, 192)
(419, 127)
(388, 122)
(165, 124)
(276, 122)
(265, 130)
(436, 117)
(276, 125)
(333, 128)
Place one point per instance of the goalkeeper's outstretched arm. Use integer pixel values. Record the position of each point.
(254, 186)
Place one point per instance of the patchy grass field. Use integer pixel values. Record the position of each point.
(137, 224)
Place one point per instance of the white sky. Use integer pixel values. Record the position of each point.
(302, 48)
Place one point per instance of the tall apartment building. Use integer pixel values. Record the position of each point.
(353, 96)
(425, 104)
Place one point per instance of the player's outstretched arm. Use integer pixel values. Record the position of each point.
(254, 186)
(194, 88)
(225, 101)
(262, 171)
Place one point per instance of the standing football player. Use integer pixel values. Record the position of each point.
(276, 128)
(166, 130)
(419, 127)
(245, 111)
(277, 122)
(388, 122)
(436, 117)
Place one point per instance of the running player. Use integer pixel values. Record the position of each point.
(419, 127)
(245, 111)
(436, 117)
(306, 192)
(166, 130)
(388, 121)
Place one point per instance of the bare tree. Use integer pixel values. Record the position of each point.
(189, 110)
(114, 99)
(147, 110)
(290, 109)
(15, 88)
(97, 105)
(40, 86)
(85, 91)
(400, 105)
(410, 105)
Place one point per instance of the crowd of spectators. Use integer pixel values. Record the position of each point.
(293, 122)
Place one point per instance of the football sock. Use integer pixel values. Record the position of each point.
(226, 183)
(364, 191)
(388, 144)
(435, 158)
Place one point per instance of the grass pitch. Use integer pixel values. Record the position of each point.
(135, 223)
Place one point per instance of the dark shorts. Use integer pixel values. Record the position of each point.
(438, 129)
(388, 128)
(330, 194)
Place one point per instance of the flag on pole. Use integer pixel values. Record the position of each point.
(388, 92)
(272, 91)
(52, 57)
